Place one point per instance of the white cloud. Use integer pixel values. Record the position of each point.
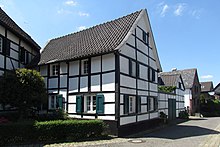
(196, 13)
(62, 11)
(81, 28)
(179, 9)
(83, 14)
(207, 77)
(71, 3)
(164, 10)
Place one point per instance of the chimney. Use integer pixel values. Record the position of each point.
(174, 69)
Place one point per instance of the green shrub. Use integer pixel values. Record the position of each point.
(166, 89)
(183, 114)
(57, 130)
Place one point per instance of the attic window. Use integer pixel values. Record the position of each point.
(1, 44)
(145, 37)
(54, 70)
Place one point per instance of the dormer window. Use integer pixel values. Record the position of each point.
(1, 44)
(54, 70)
(85, 66)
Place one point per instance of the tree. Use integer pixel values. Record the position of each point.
(23, 89)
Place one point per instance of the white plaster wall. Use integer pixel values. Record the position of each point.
(127, 81)
(143, 117)
(108, 81)
(153, 87)
(128, 51)
(109, 109)
(108, 62)
(109, 97)
(121, 109)
(12, 37)
(127, 120)
(63, 81)
(124, 65)
(143, 72)
(43, 70)
(72, 99)
(96, 64)
(142, 58)
(95, 83)
(187, 100)
(151, 53)
(128, 91)
(72, 108)
(84, 84)
(74, 68)
(73, 84)
(27, 47)
(153, 64)
(53, 83)
(106, 117)
(14, 46)
(141, 92)
(131, 40)
(63, 68)
(154, 115)
(2, 30)
(2, 61)
(142, 47)
(142, 85)
(153, 94)
(143, 108)
(14, 54)
(88, 117)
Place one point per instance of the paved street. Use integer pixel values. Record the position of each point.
(198, 132)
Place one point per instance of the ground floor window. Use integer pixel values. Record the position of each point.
(90, 103)
(52, 102)
(129, 104)
(152, 104)
(55, 101)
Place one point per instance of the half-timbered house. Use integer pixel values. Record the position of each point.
(107, 72)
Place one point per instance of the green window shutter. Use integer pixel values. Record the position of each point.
(99, 103)
(78, 104)
(60, 101)
(126, 104)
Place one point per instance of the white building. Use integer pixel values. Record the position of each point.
(17, 48)
(108, 72)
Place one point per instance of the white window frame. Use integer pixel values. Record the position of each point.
(1, 44)
(52, 102)
(131, 107)
(90, 107)
(85, 66)
(54, 70)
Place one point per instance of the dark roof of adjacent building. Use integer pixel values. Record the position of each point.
(188, 76)
(206, 86)
(169, 80)
(217, 89)
(7, 22)
(99, 39)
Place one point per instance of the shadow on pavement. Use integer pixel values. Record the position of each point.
(181, 131)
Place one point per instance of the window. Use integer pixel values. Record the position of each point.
(90, 104)
(1, 44)
(85, 66)
(22, 55)
(52, 102)
(145, 37)
(132, 68)
(129, 104)
(152, 104)
(56, 101)
(180, 85)
(55, 70)
(151, 74)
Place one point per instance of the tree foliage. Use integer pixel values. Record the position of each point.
(166, 89)
(23, 89)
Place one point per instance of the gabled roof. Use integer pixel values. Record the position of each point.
(7, 22)
(217, 89)
(100, 39)
(206, 86)
(188, 76)
(170, 79)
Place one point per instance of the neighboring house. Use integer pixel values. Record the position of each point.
(192, 89)
(217, 91)
(17, 48)
(171, 103)
(207, 89)
(108, 72)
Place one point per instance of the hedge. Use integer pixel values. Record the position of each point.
(58, 130)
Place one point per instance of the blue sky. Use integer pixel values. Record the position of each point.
(186, 32)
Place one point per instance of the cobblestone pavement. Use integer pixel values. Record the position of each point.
(197, 132)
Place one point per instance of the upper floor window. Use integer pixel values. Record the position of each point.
(151, 75)
(85, 66)
(1, 44)
(132, 68)
(55, 70)
(145, 37)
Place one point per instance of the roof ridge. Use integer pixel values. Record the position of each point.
(91, 27)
